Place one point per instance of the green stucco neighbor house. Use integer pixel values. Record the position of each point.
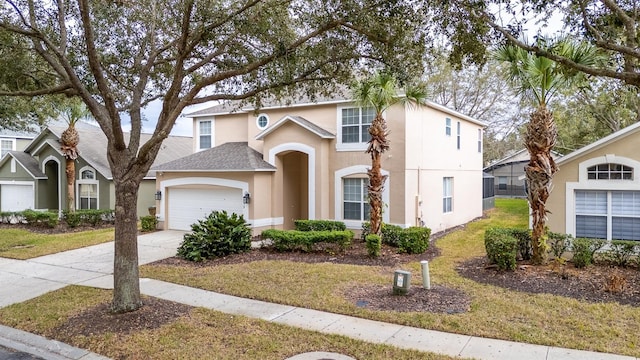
(34, 178)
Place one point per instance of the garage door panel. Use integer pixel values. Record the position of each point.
(16, 197)
(186, 206)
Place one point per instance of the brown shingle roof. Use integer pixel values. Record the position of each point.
(232, 156)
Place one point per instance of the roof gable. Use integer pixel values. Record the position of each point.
(27, 162)
(300, 121)
(620, 134)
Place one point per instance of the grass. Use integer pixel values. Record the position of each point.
(200, 335)
(23, 244)
(495, 312)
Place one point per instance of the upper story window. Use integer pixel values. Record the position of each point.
(88, 175)
(458, 135)
(479, 140)
(262, 121)
(355, 124)
(205, 139)
(610, 172)
(6, 145)
(447, 126)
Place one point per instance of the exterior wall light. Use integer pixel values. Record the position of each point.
(246, 198)
(158, 195)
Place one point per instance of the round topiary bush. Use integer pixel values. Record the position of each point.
(219, 234)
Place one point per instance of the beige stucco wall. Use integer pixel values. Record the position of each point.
(614, 152)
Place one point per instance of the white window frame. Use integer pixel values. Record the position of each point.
(358, 170)
(198, 134)
(584, 183)
(447, 195)
(355, 146)
(258, 121)
(447, 127)
(81, 181)
(608, 215)
(458, 135)
(13, 146)
(479, 140)
(362, 202)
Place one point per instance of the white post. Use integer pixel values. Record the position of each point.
(426, 279)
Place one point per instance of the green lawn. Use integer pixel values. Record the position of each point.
(22, 244)
(495, 312)
(202, 334)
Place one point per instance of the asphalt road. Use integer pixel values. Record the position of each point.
(10, 354)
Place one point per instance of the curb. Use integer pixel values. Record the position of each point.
(40, 346)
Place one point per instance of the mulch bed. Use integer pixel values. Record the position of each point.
(61, 228)
(595, 284)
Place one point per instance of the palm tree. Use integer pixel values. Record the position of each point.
(539, 78)
(69, 140)
(380, 92)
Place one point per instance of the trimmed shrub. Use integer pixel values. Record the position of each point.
(525, 249)
(414, 240)
(89, 217)
(219, 234)
(584, 251)
(501, 247)
(290, 240)
(390, 234)
(319, 225)
(374, 244)
(37, 218)
(559, 244)
(148, 223)
(73, 219)
(620, 252)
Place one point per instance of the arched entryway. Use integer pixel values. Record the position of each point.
(50, 197)
(296, 165)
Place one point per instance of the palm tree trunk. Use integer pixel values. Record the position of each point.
(378, 144)
(540, 138)
(70, 171)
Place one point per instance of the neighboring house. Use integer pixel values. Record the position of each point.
(596, 191)
(34, 178)
(508, 173)
(11, 140)
(488, 192)
(308, 161)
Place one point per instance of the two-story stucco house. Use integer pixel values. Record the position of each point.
(308, 161)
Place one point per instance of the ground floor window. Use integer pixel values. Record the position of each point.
(502, 183)
(88, 196)
(611, 215)
(355, 203)
(447, 194)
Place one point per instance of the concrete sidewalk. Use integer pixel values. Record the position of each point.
(92, 266)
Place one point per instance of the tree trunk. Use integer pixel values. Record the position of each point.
(378, 144)
(126, 287)
(70, 171)
(540, 138)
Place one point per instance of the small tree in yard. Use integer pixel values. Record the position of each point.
(380, 92)
(119, 56)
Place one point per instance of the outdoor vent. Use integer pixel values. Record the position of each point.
(401, 282)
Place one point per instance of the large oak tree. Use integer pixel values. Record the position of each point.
(118, 56)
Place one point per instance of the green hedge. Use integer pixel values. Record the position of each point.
(31, 217)
(148, 223)
(290, 240)
(502, 247)
(89, 217)
(414, 240)
(219, 234)
(319, 225)
(621, 252)
(374, 244)
(584, 251)
(559, 244)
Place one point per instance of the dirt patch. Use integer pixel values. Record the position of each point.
(98, 320)
(438, 299)
(596, 283)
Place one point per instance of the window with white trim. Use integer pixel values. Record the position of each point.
(447, 127)
(610, 172)
(458, 135)
(87, 188)
(355, 200)
(262, 121)
(447, 194)
(205, 134)
(355, 123)
(6, 145)
(611, 215)
(479, 140)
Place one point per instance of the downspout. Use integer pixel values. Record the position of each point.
(418, 202)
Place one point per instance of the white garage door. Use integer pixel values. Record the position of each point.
(16, 197)
(186, 206)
